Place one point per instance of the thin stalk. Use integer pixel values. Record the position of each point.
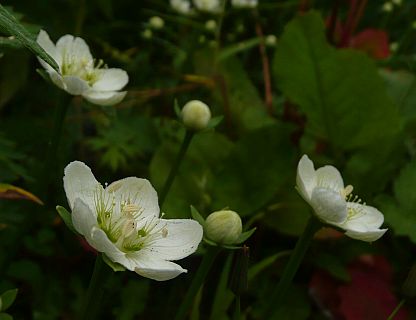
(277, 297)
(237, 311)
(95, 290)
(174, 170)
(198, 280)
(396, 310)
(218, 33)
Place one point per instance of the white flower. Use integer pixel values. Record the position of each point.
(244, 3)
(387, 7)
(270, 40)
(213, 6)
(211, 25)
(182, 6)
(334, 204)
(79, 73)
(122, 221)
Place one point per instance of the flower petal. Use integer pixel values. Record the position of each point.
(306, 177)
(75, 85)
(45, 42)
(72, 49)
(137, 191)
(368, 236)
(183, 238)
(330, 178)
(154, 268)
(110, 79)
(329, 205)
(79, 182)
(98, 240)
(57, 79)
(104, 98)
(83, 218)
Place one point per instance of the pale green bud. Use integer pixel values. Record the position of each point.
(270, 40)
(196, 115)
(211, 25)
(147, 34)
(387, 7)
(223, 227)
(156, 22)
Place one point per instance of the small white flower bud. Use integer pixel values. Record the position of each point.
(270, 40)
(196, 115)
(156, 22)
(387, 7)
(211, 25)
(223, 227)
(147, 34)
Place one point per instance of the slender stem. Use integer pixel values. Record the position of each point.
(199, 278)
(277, 297)
(396, 310)
(95, 291)
(237, 311)
(174, 170)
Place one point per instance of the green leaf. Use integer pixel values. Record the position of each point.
(113, 265)
(197, 216)
(233, 49)
(259, 165)
(10, 24)
(399, 212)
(340, 91)
(7, 299)
(245, 235)
(5, 316)
(66, 217)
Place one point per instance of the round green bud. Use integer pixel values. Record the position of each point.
(156, 22)
(223, 227)
(196, 115)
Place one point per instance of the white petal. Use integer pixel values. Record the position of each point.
(45, 42)
(154, 268)
(368, 236)
(365, 218)
(110, 79)
(182, 239)
(329, 205)
(75, 85)
(79, 182)
(83, 218)
(98, 240)
(104, 98)
(57, 79)
(306, 177)
(139, 192)
(72, 48)
(330, 178)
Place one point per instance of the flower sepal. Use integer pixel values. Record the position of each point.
(66, 218)
(117, 267)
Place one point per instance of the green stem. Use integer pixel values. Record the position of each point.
(237, 311)
(396, 310)
(95, 290)
(197, 281)
(172, 174)
(277, 297)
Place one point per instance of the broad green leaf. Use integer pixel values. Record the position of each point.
(13, 27)
(399, 212)
(259, 165)
(8, 191)
(66, 217)
(7, 299)
(340, 91)
(5, 316)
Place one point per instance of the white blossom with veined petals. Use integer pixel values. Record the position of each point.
(334, 204)
(79, 73)
(122, 221)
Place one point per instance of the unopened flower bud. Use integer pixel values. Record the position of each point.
(156, 22)
(224, 227)
(387, 7)
(211, 25)
(196, 115)
(270, 40)
(147, 34)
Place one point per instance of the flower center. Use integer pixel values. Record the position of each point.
(124, 223)
(83, 68)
